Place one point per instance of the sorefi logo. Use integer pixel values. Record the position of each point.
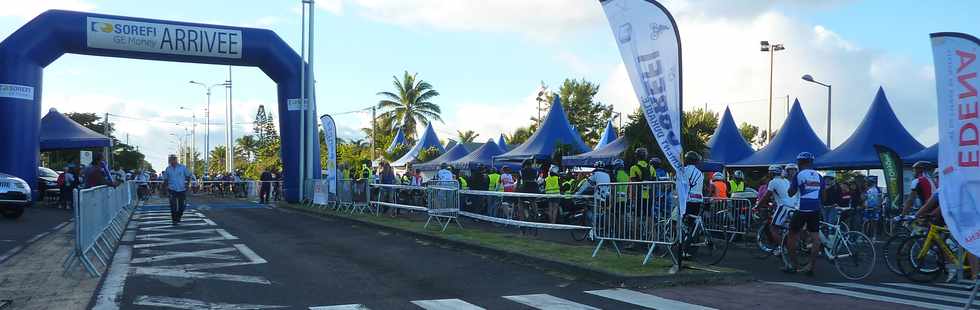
(104, 27)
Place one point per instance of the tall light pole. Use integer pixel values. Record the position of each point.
(207, 123)
(772, 49)
(542, 96)
(619, 115)
(229, 130)
(193, 147)
(808, 78)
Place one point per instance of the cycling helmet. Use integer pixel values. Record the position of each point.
(922, 164)
(791, 166)
(553, 169)
(692, 157)
(641, 152)
(443, 166)
(718, 176)
(599, 164)
(805, 156)
(739, 175)
(618, 163)
(655, 161)
(935, 172)
(775, 169)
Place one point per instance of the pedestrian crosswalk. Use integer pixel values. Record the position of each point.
(548, 302)
(945, 296)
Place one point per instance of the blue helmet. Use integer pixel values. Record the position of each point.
(805, 156)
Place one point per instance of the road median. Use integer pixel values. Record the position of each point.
(573, 260)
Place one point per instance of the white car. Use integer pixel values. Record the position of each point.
(15, 195)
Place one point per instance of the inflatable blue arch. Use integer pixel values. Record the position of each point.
(26, 52)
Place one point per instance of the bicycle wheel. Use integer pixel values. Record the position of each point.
(854, 256)
(922, 266)
(702, 248)
(765, 244)
(890, 254)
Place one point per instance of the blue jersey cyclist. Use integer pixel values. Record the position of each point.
(808, 184)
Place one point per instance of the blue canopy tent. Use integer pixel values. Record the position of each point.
(606, 154)
(456, 152)
(482, 155)
(58, 132)
(554, 129)
(502, 144)
(793, 137)
(428, 139)
(608, 136)
(398, 140)
(930, 154)
(727, 144)
(450, 144)
(880, 126)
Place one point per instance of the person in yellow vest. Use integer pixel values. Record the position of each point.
(620, 176)
(459, 177)
(641, 171)
(552, 186)
(493, 180)
(737, 184)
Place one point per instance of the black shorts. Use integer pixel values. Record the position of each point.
(693, 208)
(809, 219)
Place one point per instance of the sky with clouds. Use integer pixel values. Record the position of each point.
(487, 58)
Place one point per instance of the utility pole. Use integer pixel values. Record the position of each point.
(229, 130)
(106, 152)
(374, 130)
(771, 48)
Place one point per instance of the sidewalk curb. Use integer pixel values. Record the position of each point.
(545, 264)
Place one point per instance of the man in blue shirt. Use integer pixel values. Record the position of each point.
(808, 184)
(175, 179)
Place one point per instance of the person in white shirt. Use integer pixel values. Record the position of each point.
(695, 182)
(777, 191)
(175, 179)
(598, 176)
(444, 174)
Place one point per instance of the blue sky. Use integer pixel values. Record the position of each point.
(488, 58)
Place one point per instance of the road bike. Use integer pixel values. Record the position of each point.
(926, 257)
(899, 232)
(852, 252)
(702, 245)
(763, 239)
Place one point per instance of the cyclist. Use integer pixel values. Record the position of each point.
(598, 176)
(807, 183)
(922, 187)
(932, 212)
(444, 174)
(777, 191)
(737, 184)
(719, 187)
(695, 182)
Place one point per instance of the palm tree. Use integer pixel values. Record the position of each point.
(248, 146)
(467, 136)
(409, 104)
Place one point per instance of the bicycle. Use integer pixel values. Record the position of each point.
(898, 236)
(928, 255)
(700, 243)
(763, 239)
(849, 251)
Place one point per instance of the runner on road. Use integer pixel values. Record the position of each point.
(176, 178)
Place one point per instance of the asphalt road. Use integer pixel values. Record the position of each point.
(241, 255)
(35, 223)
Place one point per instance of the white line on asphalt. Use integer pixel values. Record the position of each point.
(225, 234)
(211, 241)
(177, 233)
(933, 289)
(253, 258)
(60, 226)
(115, 281)
(341, 307)
(184, 303)
(548, 302)
(163, 272)
(903, 292)
(954, 285)
(828, 290)
(446, 304)
(166, 255)
(10, 253)
(645, 300)
(129, 236)
(37, 237)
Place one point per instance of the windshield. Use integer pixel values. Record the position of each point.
(47, 173)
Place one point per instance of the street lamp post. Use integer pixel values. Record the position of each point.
(619, 115)
(772, 49)
(207, 123)
(193, 147)
(809, 78)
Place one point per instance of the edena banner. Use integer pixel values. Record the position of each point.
(649, 43)
(118, 34)
(955, 60)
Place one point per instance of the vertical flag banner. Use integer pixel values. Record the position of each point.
(955, 59)
(891, 164)
(650, 45)
(330, 135)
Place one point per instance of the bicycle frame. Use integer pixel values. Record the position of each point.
(937, 235)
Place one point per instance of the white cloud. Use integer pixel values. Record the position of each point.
(333, 6)
(30, 9)
(490, 119)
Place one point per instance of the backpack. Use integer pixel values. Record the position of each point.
(61, 180)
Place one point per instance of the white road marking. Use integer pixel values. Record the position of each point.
(184, 303)
(129, 235)
(253, 259)
(548, 302)
(903, 292)
(828, 290)
(10, 253)
(165, 255)
(933, 289)
(644, 300)
(37, 237)
(170, 242)
(177, 233)
(60, 226)
(115, 281)
(446, 304)
(164, 272)
(341, 307)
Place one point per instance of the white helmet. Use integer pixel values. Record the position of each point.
(775, 169)
(792, 166)
(719, 176)
(739, 175)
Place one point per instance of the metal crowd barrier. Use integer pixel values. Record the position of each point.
(639, 212)
(509, 208)
(101, 215)
(727, 215)
(398, 196)
(442, 203)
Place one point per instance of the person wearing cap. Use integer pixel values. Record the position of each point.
(444, 174)
(175, 180)
(552, 186)
(737, 184)
(922, 186)
(67, 182)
